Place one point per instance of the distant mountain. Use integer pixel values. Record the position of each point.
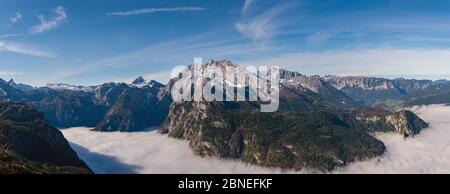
(108, 107)
(380, 91)
(320, 89)
(28, 144)
(317, 126)
(136, 108)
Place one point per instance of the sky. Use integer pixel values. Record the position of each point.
(88, 42)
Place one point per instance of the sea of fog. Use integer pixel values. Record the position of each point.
(147, 152)
(150, 152)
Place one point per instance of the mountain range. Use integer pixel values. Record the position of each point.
(322, 122)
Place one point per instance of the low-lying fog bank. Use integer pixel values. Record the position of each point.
(150, 152)
(147, 152)
(429, 152)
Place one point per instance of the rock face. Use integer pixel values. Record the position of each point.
(317, 126)
(295, 140)
(291, 140)
(28, 144)
(380, 120)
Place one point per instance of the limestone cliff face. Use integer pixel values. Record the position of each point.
(376, 119)
(406, 122)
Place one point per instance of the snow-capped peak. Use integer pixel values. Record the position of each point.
(140, 82)
(61, 86)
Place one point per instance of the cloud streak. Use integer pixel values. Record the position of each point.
(16, 18)
(49, 24)
(155, 10)
(11, 73)
(247, 5)
(262, 26)
(23, 49)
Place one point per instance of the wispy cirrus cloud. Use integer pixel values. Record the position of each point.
(24, 49)
(49, 24)
(319, 38)
(12, 73)
(16, 18)
(12, 35)
(247, 5)
(262, 26)
(155, 10)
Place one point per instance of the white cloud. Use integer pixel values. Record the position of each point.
(156, 10)
(49, 24)
(12, 35)
(247, 5)
(318, 38)
(146, 153)
(379, 61)
(23, 49)
(16, 18)
(262, 26)
(11, 73)
(179, 51)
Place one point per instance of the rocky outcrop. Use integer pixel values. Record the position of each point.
(317, 140)
(28, 144)
(380, 120)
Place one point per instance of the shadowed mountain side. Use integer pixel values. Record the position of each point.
(103, 164)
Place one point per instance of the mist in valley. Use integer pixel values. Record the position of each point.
(151, 152)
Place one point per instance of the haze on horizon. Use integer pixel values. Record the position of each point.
(63, 41)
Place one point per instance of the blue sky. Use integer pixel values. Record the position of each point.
(94, 41)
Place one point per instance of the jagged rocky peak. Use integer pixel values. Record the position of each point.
(11, 82)
(313, 83)
(366, 83)
(285, 74)
(19, 86)
(139, 81)
(223, 63)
